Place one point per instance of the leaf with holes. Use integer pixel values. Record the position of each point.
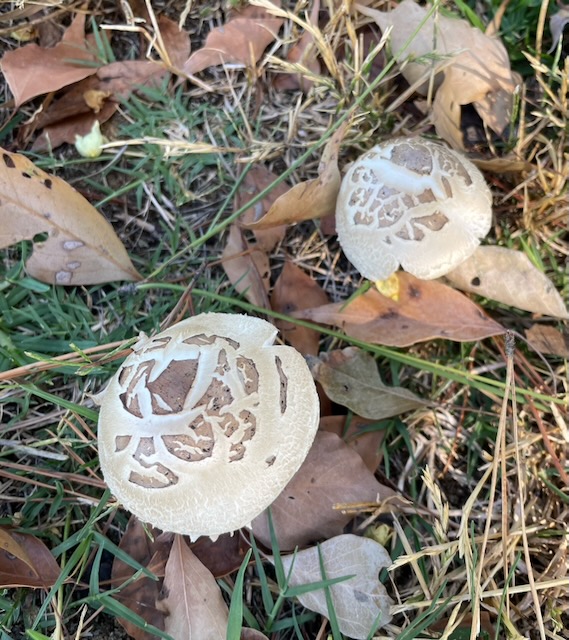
(80, 246)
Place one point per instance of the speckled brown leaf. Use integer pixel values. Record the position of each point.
(508, 276)
(32, 70)
(296, 290)
(140, 596)
(333, 473)
(310, 199)
(25, 561)
(246, 267)
(242, 40)
(81, 246)
(426, 309)
(257, 179)
(192, 601)
(350, 378)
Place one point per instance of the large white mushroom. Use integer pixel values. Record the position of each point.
(414, 203)
(205, 423)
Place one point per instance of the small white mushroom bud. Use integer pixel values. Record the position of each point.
(205, 423)
(414, 203)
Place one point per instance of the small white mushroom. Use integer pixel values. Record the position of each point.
(414, 203)
(205, 423)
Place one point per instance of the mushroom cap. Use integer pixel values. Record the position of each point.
(205, 423)
(414, 203)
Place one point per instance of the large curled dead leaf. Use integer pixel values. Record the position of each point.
(361, 603)
(32, 70)
(350, 378)
(332, 474)
(508, 276)
(192, 602)
(310, 199)
(81, 246)
(242, 40)
(25, 561)
(425, 309)
(478, 71)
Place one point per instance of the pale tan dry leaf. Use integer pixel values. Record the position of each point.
(425, 309)
(557, 23)
(508, 276)
(332, 473)
(81, 246)
(246, 267)
(350, 377)
(32, 70)
(473, 68)
(310, 199)
(192, 602)
(361, 603)
(296, 290)
(242, 40)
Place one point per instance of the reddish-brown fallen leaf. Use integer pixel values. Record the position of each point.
(242, 40)
(426, 309)
(303, 53)
(192, 600)
(222, 556)
(246, 267)
(33, 70)
(333, 473)
(360, 434)
(546, 339)
(25, 561)
(257, 179)
(81, 246)
(140, 596)
(310, 199)
(295, 290)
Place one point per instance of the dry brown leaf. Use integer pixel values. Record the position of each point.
(355, 431)
(25, 561)
(478, 71)
(350, 378)
(333, 473)
(32, 70)
(310, 199)
(150, 549)
(295, 290)
(426, 309)
(257, 179)
(192, 600)
(242, 40)
(252, 634)
(303, 53)
(508, 276)
(361, 603)
(176, 41)
(81, 246)
(246, 267)
(547, 339)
